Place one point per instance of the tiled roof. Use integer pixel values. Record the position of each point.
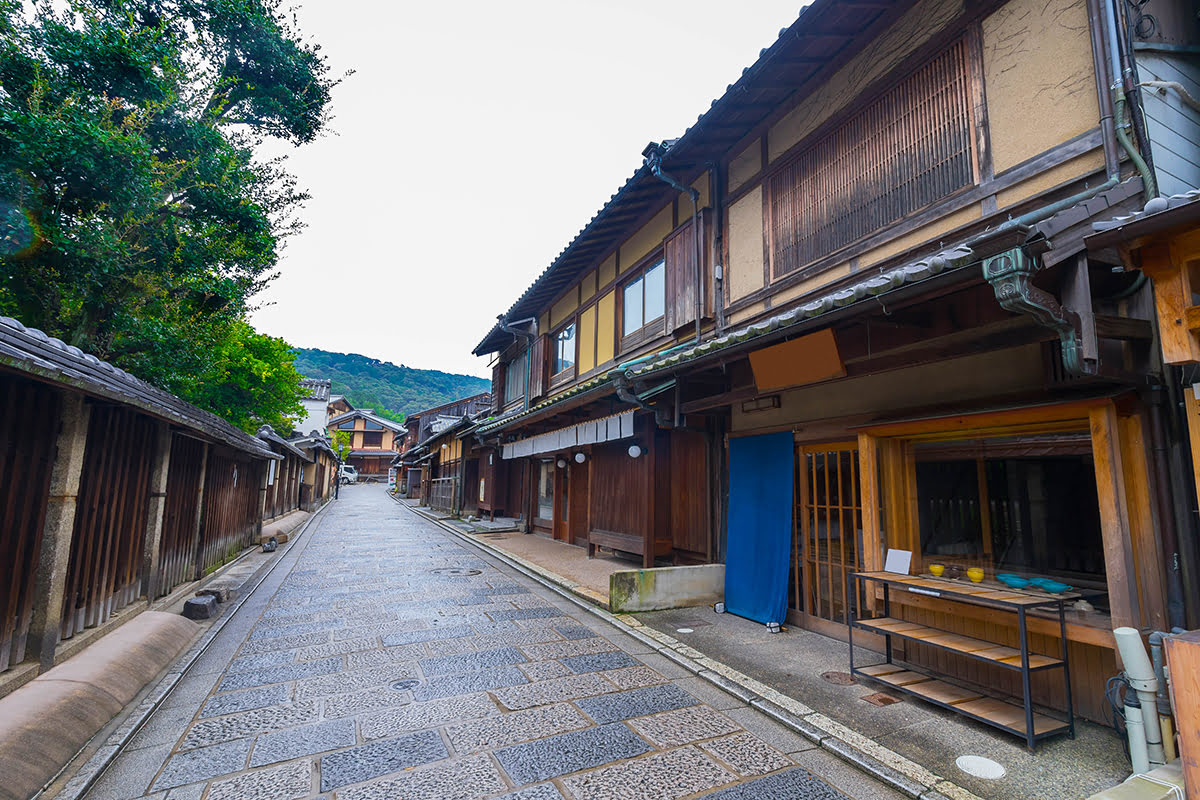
(1156, 205)
(318, 388)
(824, 31)
(37, 355)
(866, 289)
(495, 423)
(358, 412)
(268, 434)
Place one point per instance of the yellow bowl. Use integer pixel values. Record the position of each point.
(937, 569)
(975, 574)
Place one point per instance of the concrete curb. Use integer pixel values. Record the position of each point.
(91, 770)
(886, 766)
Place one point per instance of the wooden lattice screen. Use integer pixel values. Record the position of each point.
(909, 148)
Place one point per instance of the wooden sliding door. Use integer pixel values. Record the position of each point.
(828, 542)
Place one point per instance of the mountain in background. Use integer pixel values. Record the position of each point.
(391, 390)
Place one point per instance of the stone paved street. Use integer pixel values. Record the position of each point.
(385, 659)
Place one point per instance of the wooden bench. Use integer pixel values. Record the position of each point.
(629, 543)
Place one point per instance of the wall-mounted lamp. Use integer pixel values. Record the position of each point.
(562, 463)
(580, 458)
(634, 451)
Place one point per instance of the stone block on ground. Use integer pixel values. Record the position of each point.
(223, 592)
(203, 607)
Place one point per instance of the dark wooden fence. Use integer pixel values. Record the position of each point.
(442, 492)
(104, 574)
(180, 517)
(28, 421)
(230, 517)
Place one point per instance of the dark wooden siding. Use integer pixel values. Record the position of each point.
(910, 147)
(620, 490)
(537, 368)
(178, 561)
(689, 493)
(230, 516)
(679, 253)
(104, 573)
(28, 430)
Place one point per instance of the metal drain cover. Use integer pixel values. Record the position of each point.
(839, 678)
(401, 686)
(456, 571)
(880, 699)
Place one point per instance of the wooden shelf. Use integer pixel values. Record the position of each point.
(977, 705)
(1014, 717)
(956, 643)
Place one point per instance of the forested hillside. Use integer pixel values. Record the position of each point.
(383, 386)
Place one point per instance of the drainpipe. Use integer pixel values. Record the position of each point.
(714, 182)
(510, 327)
(1109, 12)
(1112, 164)
(653, 155)
(1176, 616)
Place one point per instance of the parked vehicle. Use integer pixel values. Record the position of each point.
(347, 474)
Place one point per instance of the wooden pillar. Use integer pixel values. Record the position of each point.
(198, 522)
(50, 584)
(1147, 554)
(868, 476)
(1183, 662)
(1119, 565)
(262, 494)
(159, 468)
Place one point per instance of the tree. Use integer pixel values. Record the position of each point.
(135, 221)
(253, 382)
(341, 443)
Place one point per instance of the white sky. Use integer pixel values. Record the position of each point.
(473, 142)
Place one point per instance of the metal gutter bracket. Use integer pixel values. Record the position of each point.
(1011, 276)
(626, 393)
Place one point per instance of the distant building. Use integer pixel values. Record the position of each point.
(373, 440)
(316, 405)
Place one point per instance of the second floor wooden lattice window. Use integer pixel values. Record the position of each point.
(907, 149)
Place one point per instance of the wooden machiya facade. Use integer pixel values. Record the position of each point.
(893, 270)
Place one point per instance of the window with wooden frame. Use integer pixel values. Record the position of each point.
(644, 303)
(907, 149)
(562, 364)
(373, 439)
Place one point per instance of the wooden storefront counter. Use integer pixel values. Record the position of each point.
(1090, 646)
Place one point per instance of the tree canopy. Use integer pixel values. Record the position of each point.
(135, 221)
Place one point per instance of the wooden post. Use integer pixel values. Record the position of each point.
(198, 572)
(1183, 664)
(152, 549)
(50, 585)
(1119, 564)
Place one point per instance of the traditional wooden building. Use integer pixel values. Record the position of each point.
(851, 310)
(374, 441)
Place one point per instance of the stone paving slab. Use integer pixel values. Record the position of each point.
(420, 695)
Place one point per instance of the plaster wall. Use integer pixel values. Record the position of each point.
(1039, 79)
(745, 239)
(959, 379)
(745, 165)
(646, 238)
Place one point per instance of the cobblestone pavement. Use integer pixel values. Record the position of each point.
(385, 659)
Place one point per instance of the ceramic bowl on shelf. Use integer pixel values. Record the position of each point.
(1013, 581)
(937, 569)
(975, 574)
(1055, 587)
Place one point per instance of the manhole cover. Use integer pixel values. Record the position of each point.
(839, 678)
(980, 767)
(455, 571)
(401, 686)
(880, 699)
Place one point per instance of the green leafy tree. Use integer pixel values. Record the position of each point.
(341, 443)
(135, 221)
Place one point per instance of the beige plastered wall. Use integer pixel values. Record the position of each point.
(745, 238)
(646, 239)
(1038, 76)
(959, 379)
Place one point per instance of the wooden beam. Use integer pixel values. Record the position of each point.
(1151, 578)
(1126, 328)
(1172, 298)
(1183, 660)
(718, 400)
(1120, 568)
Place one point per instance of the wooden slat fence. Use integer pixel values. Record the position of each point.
(178, 561)
(441, 493)
(28, 427)
(104, 573)
(230, 516)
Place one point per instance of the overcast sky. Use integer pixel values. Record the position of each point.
(473, 141)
